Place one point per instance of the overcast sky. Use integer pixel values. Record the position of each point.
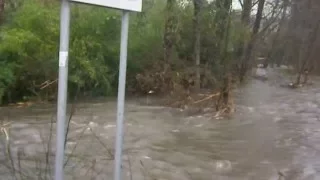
(236, 4)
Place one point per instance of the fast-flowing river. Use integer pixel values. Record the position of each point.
(274, 132)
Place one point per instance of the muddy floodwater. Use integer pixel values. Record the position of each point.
(274, 132)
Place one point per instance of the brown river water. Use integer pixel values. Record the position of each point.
(274, 131)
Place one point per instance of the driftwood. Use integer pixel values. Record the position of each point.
(206, 98)
(47, 84)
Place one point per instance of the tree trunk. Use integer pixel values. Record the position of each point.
(313, 36)
(2, 11)
(245, 20)
(197, 41)
(306, 77)
(275, 41)
(223, 21)
(248, 52)
(303, 37)
(169, 31)
(225, 101)
(246, 12)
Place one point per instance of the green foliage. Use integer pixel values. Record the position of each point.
(94, 49)
(6, 77)
(145, 38)
(28, 42)
(30, 45)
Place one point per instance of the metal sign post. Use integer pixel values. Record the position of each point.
(62, 89)
(126, 6)
(121, 94)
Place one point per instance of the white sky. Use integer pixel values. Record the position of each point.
(236, 4)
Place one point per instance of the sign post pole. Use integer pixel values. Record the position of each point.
(62, 89)
(121, 94)
(125, 6)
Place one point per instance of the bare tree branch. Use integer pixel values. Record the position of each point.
(241, 3)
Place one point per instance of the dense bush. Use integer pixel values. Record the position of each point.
(30, 44)
(30, 39)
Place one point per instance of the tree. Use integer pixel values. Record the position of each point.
(247, 56)
(223, 20)
(305, 19)
(276, 45)
(245, 22)
(197, 39)
(2, 2)
(170, 30)
(246, 12)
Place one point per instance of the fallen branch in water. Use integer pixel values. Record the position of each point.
(219, 113)
(206, 98)
(130, 167)
(47, 83)
(281, 175)
(146, 173)
(111, 155)
(8, 151)
(73, 149)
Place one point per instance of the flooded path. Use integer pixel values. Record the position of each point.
(275, 130)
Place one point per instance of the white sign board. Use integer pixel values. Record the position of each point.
(130, 5)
